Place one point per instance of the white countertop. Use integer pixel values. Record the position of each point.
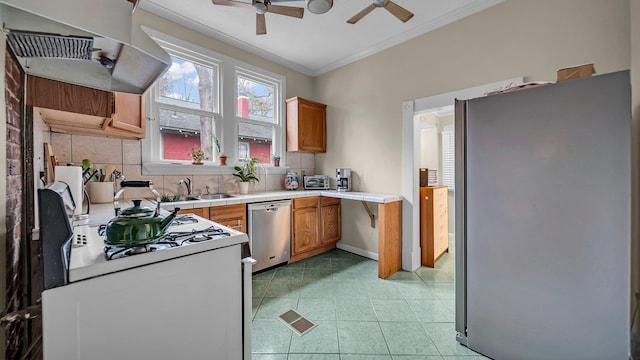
(282, 195)
(102, 213)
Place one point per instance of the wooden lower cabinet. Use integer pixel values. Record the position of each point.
(434, 223)
(330, 220)
(232, 216)
(202, 212)
(316, 226)
(305, 230)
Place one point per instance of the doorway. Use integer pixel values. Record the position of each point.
(411, 162)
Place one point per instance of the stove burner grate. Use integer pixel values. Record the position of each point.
(171, 240)
(117, 252)
(184, 219)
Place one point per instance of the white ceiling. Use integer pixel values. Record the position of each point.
(315, 44)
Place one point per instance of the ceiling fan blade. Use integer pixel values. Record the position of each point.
(261, 24)
(361, 14)
(286, 10)
(398, 11)
(232, 3)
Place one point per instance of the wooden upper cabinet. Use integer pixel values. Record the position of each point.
(57, 95)
(74, 109)
(128, 113)
(306, 125)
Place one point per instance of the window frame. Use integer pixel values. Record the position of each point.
(225, 120)
(277, 143)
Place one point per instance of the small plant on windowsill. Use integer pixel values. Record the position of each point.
(247, 174)
(222, 158)
(276, 160)
(197, 156)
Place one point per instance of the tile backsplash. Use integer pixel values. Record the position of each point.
(126, 156)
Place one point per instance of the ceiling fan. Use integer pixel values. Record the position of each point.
(398, 11)
(262, 7)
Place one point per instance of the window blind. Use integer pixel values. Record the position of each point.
(448, 159)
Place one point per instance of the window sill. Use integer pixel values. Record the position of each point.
(164, 168)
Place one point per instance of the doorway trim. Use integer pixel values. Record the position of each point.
(411, 159)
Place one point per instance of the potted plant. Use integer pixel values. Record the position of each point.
(246, 174)
(222, 158)
(197, 156)
(276, 160)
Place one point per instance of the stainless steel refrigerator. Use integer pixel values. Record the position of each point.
(543, 221)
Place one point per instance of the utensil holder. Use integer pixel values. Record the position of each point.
(100, 192)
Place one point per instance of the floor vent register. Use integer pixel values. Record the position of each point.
(297, 322)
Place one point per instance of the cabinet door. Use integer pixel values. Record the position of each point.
(58, 95)
(128, 113)
(235, 224)
(233, 216)
(311, 128)
(306, 125)
(331, 223)
(305, 234)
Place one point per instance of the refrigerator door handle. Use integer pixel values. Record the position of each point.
(247, 265)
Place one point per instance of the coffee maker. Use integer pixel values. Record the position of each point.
(343, 175)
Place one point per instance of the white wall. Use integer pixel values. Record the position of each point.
(516, 38)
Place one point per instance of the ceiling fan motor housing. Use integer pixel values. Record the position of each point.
(319, 6)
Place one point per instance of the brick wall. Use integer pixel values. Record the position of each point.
(14, 80)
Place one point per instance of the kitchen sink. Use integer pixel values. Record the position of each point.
(215, 196)
(190, 197)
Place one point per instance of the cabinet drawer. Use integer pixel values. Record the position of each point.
(325, 200)
(227, 212)
(306, 202)
(202, 212)
(235, 224)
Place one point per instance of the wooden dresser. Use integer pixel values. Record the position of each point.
(434, 223)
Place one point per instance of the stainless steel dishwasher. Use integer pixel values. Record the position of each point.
(269, 227)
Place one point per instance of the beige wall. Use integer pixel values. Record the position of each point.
(516, 38)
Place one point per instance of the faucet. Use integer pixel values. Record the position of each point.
(188, 184)
(208, 189)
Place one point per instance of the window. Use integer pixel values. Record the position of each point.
(256, 115)
(187, 100)
(448, 159)
(206, 96)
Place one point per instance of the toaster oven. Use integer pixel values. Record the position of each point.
(316, 182)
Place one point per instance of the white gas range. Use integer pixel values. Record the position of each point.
(189, 234)
(188, 294)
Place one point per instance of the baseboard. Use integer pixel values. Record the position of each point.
(357, 251)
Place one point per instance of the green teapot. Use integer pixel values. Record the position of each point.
(138, 225)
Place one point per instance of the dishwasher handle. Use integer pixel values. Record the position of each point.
(269, 206)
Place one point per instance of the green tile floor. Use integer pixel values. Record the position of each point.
(360, 317)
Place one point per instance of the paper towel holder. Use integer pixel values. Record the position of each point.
(85, 198)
